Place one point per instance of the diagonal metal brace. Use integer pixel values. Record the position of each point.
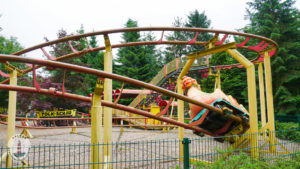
(214, 50)
(10, 67)
(99, 86)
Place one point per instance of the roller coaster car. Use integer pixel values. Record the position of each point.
(215, 123)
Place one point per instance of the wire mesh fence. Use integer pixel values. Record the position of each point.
(155, 153)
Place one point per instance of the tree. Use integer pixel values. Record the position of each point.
(8, 46)
(77, 83)
(195, 20)
(279, 20)
(175, 51)
(82, 84)
(137, 62)
(34, 101)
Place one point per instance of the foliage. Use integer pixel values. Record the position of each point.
(194, 19)
(82, 84)
(279, 20)
(242, 160)
(8, 46)
(33, 101)
(291, 130)
(137, 62)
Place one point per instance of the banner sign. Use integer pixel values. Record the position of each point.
(49, 114)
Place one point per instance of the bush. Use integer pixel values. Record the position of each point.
(291, 130)
(244, 161)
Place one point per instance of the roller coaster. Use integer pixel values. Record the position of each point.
(226, 115)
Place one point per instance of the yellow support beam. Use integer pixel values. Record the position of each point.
(251, 98)
(262, 94)
(218, 79)
(186, 68)
(73, 130)
(107, 97)
(11, 68)
(270, 107)
(213, 50)
(11, 121)
(180, 109)
(96, 126)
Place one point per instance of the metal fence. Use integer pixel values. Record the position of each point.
(152, 154)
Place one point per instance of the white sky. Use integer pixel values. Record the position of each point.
(31, 20)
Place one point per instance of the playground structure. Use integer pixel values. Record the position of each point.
(172, 73)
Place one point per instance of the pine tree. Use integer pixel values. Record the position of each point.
(137, 62)
(175, 51)
(279, 20)
(195, 20)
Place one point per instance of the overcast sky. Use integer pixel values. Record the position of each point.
(32, 20)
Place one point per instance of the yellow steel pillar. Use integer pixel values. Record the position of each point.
(12, 102)
(262, 94)
(107, 97)
(73, 130)
(180, 112)
(270, 107)
(251, 99)
(218, 79)
(96, 126)
(180, 107)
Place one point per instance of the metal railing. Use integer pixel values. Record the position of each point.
(152, 153)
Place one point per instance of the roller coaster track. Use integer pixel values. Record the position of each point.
(264, 45)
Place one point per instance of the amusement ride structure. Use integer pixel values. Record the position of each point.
(213, 114)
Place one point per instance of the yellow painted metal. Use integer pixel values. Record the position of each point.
(11, 68)
(154, 109)
(3, 158)
(107, 97)
(73, 131)
(251, 98)
(96, 126)
(12, 103)
(213, 50)
(25, 132)
(217, 78)
(180, 109)
(262, 94)
(186, 68)
(239, 57)
(270, 107)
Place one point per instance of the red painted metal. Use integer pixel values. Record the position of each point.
(161, 38)
(4, 74)
(243, 43)
(104, 103)
(194, 39)
(221, 41)
(47, 55)
(36, 84)
(103, 74)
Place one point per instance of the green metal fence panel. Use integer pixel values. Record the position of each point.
(155, 153)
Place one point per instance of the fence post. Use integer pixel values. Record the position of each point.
(186, 153)
(299, 122)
